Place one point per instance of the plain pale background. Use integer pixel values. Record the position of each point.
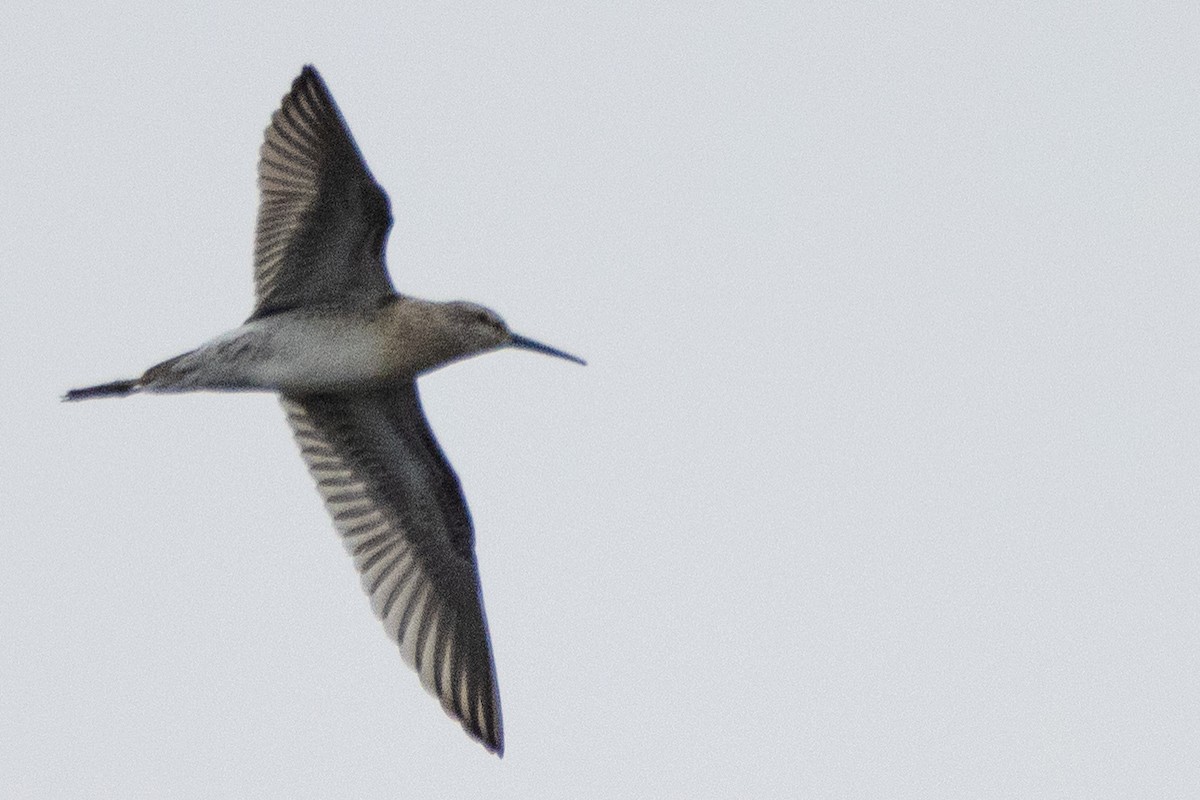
(881, 481)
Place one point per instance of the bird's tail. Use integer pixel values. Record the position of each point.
(114, 389)
(173, 375)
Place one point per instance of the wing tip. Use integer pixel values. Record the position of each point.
(308, 75)
(488, 725)
(491, 737)
(308, 83)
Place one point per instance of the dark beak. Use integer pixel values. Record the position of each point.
(529, 344)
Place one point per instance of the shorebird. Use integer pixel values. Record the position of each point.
(343, 349)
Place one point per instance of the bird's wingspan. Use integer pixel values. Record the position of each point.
(398, 506)
(323, 221)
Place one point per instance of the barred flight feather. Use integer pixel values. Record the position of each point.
(399, 509)
(323, 221)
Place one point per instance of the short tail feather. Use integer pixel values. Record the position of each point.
(114, 389)
(170, 375)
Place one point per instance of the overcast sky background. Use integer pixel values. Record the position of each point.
(881, 481)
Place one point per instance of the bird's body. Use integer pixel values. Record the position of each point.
(299, 352)
(330, 349)
(343, 350)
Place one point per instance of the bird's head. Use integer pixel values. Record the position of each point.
(477, 329)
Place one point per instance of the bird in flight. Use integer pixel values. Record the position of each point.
(343, 350)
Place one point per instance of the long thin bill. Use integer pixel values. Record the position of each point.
(530, 344)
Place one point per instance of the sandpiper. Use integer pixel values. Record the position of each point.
(343, 349)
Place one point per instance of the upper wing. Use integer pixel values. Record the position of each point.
(323, 221)
(398, 506)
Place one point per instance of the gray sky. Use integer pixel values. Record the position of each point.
(881, 481)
